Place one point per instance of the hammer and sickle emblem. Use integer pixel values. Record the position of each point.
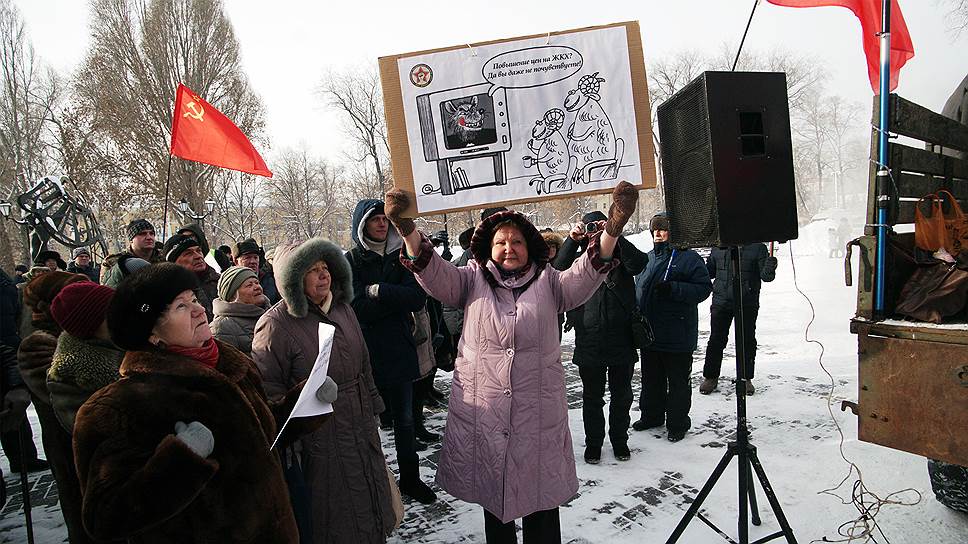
(197, 111)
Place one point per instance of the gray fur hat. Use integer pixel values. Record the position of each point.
(292, 262)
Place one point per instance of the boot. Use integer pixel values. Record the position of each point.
(622, 451)
(708, 385)
(423, 435)
(411, 486)
(643, 425)
(593, 454)
(749, 387)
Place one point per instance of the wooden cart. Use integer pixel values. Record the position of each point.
(912, 377)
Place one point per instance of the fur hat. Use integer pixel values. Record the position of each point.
(465, 237)
(138, 226)
(553, 239)
(291, 264)
(80, 307)
(659, 221)
(40, 292)
(176, 245)
(231, 279)
(50, 254)
(487, 212)
(481, 240)
(140, 300)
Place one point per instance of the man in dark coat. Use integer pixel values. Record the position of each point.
(249, 254)
(603, 342)
(669, 291)
(141, 244)
(81, 264)
(756, 265)
(385, 295)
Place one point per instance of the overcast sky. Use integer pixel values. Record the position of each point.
(287, 44)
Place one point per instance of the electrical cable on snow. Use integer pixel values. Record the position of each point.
(864, 527)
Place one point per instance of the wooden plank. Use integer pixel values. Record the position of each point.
(872, 175)
(905, 210)
(865, 277)
(911, 331)
(912, 402)
(909, 159)
(910, 119)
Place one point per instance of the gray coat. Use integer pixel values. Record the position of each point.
(343, 461)
(234, 322)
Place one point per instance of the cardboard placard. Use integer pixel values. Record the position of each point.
(524, 119)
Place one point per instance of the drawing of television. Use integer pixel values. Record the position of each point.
(466, 132)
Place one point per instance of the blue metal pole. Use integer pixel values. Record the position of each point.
(882, 185)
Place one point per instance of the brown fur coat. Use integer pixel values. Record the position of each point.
(143, 484)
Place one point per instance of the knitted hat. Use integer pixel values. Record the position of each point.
(78, 251)
(591, 217)
(80, 308)
(176, 245)
(50, 254)
(129, 264)
(39, 293)
(659, 222)
(138, 226)
(244, 247)
(140, 300)
(230, 281)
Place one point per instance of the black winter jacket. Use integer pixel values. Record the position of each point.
(603, 331)
(753, 268)
(674, 318)
(386, 321)
(9, 312)
(91, 271)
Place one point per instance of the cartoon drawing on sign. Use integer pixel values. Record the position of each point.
(591, 139)
(472, 138)
(550, 153)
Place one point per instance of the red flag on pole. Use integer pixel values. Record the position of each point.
(200, 133)
(869, 13)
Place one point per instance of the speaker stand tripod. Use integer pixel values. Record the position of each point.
(741, 448)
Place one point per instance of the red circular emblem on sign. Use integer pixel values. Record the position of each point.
(421, 75)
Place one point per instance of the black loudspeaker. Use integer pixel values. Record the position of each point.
(727, 161)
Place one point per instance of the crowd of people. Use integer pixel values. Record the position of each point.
(160, 381)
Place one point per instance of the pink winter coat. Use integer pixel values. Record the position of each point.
(507, 445)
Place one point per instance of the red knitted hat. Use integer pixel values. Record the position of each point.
(81, 307)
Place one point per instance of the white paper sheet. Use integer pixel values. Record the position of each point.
(307, 404)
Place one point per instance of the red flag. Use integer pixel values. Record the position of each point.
(200, 133)
(869, 13)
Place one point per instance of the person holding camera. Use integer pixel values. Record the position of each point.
(604, 350)
(669, 291)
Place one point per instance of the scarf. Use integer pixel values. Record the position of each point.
(514, 274)
(379, 248)
(327, 302)
(207, 354)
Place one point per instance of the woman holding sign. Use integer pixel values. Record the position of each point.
(177, 450)
(342, 462)
(507, 445)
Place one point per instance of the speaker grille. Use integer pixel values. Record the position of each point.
(687, 165)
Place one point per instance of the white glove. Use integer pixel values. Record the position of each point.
(196, 436)
(373, 291)
(328, 391)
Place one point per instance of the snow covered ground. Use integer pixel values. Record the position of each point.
(643, 499)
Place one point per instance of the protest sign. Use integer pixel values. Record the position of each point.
(307, 404)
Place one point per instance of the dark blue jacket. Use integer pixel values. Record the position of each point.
(387, 321)
(753, 268)
(674, 319)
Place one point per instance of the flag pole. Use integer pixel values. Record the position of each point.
(164, 221)
(745, 32)
(883, 173)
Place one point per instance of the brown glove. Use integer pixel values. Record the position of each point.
(624, 198)
(397, 202)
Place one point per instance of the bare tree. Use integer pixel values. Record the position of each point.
(358, 96)
(27, 93)
(241, 211)
(305, 196)
(957, 15)
(140, 50)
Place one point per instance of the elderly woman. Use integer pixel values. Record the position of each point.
(177, 450)
(507, 445)
(239, 306)
(342, 462)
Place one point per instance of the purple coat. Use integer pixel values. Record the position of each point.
(507, 445)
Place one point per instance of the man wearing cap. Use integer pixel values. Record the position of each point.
(141, 244)
(249, 254)
(669, 291)
(604, 351)
(185, 251)
(81, 264)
